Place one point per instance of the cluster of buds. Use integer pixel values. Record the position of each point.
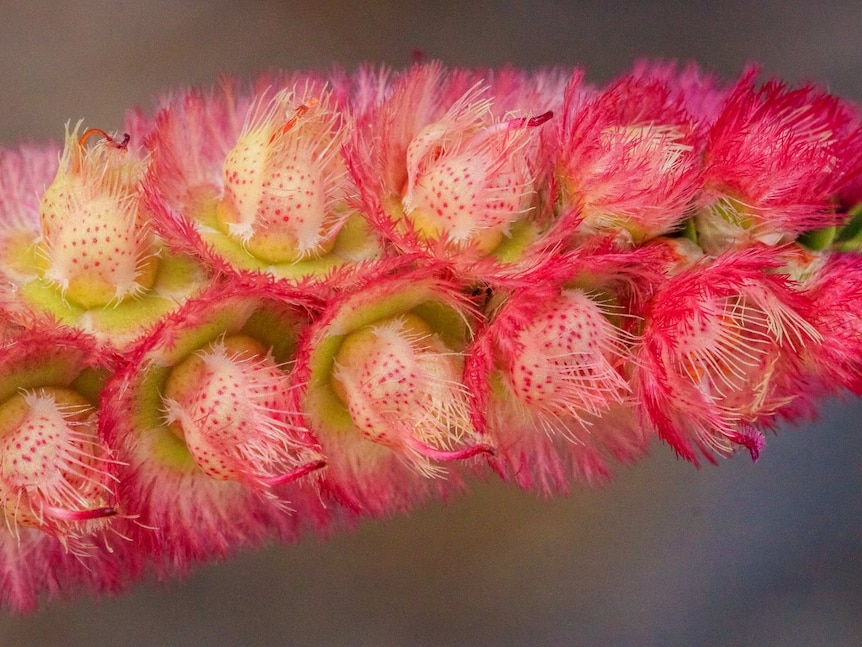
(274, 308)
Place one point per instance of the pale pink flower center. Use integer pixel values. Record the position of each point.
(468, 180)
(51, 464)
(569, 359)
(283, 182)
(227, 402)
(460, 196)
(402, 387)
(95, 246)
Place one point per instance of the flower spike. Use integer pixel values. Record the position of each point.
(284, 305)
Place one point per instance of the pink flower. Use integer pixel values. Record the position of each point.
(551, 373)
(201, 414)
(776, 157)
(628, 161)
(382, 390)
(256, 180)
(57, 473)
(58, 483)
(721, 353)
(85, 252)
(442, 174)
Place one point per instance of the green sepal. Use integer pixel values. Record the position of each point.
(849, 238)
(818, 239)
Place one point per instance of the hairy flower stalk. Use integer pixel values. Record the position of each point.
(280, 306)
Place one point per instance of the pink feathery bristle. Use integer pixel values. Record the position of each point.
(850, 195)
(849, 185)
(24, 172)
(836, 287)
(201, 501)
(380, 457)
(702, 93)
(530, 93)
(390, 110)
(722, 350)
(34, 568)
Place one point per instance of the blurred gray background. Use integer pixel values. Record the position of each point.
(742, 554)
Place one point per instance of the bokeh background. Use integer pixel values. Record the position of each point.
(742, 554)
